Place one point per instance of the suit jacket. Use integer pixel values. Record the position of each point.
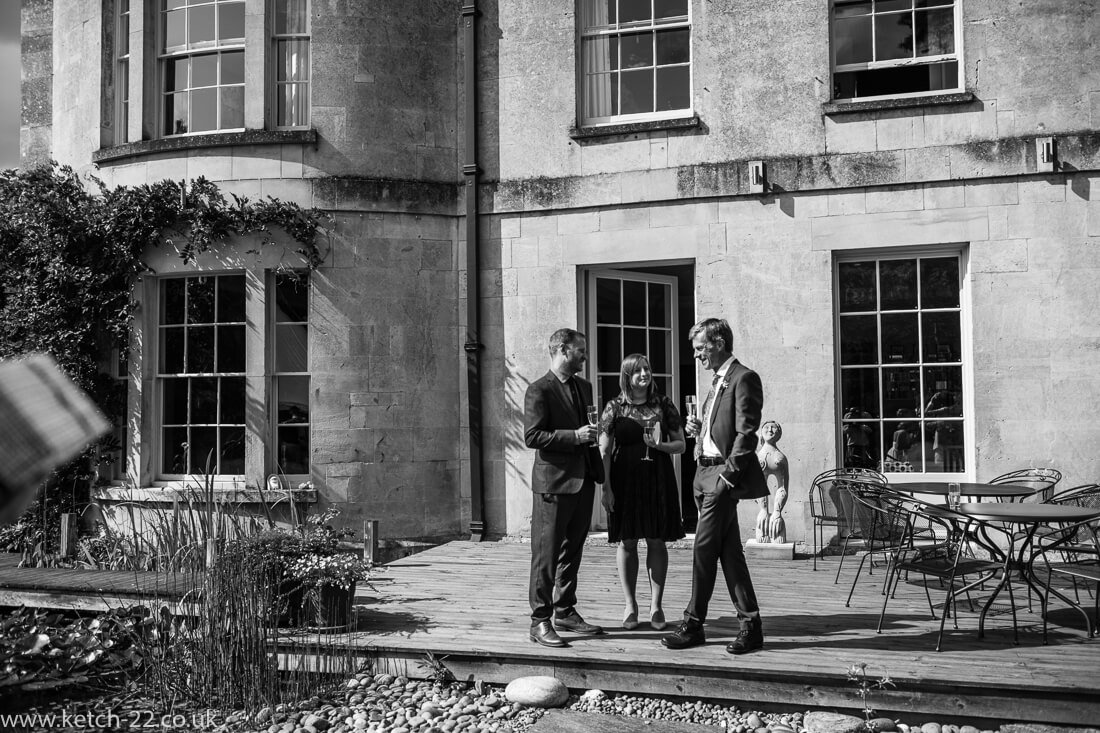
(549, 421)
(734, 419)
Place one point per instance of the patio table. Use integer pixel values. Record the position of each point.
(1017, 560)
(978, 490)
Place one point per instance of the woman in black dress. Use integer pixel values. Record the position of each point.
(641, 496)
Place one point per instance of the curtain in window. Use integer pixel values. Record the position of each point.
(597, 61)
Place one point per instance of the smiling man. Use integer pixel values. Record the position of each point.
(728, 471)
(563, 484)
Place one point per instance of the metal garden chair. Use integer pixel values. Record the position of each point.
(1043, 480)
(831, 505)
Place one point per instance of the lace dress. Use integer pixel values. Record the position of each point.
(647, 498)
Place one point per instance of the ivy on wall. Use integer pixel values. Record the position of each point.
(70, 254)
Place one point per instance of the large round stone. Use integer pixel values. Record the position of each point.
(537, 692)
(824, 722)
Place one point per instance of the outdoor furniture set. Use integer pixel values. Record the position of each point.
(1014, 530)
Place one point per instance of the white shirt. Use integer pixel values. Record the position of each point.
(710, 448)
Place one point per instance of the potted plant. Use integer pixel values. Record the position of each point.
(328, 585)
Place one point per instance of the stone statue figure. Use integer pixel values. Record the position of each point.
(770, 526)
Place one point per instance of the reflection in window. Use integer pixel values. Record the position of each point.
(886, 48)
(900, 351)
(202, 66)
(200, 370)
(636, 59)
(290, 351)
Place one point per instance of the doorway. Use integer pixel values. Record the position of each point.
(646, 309)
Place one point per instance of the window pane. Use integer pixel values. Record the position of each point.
(175, 114)
(174, 450)
(935, 32)
(293, 450)
(231, 299)
(200, 25)
(204, 70)
(601, 95)
(232, 107)
(898, 279)
(939, 283)
(230, 349)
(290, 348)
(852, 40)
(293, 64)
(900, 80)
(232, 67)
(609, 389)
(901, 446)
(636, 91)
(943, 390)
(660, 351)
(291, 16)
(859, 393)
(634, 303)
(851, 9)
(942, 336)
(175, 28)
(670, 8)
(293, 105)
(175, 74)
(204, 401)
(172, 302)
(607, 300)
(231, 21)
(637, 50)
(899, 338)
(858, 340)
(885, 6)
(633, 10)
(660, 305)
(634, 341)
(901, 392)
(232, 450)
(609, 355)
(174, 402)
(673, 47)
(293, 400)
(232, 400)
(200, 349)
(171, 350)
(204, 451)
(861, 444)
(200, 299)
(673, 88)
(204, 110)
(893, 36)
(857, 286)
(291, 298)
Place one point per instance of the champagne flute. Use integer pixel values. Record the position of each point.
(649, 423)
(692, 405)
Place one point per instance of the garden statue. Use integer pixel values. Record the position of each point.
(769, 524)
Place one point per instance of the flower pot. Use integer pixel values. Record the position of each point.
(327, 607)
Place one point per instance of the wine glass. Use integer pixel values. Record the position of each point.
(650, 422)
(593, 415)
(692, 405)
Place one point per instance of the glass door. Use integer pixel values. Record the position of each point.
(630, 313)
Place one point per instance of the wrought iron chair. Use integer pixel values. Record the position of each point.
(831, 505)
(948, 558)
(1076, 555)
(1084, 495)
(1043, 480)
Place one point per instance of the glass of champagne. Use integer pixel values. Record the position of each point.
(593, 415)
(650, 422)
(692, 405)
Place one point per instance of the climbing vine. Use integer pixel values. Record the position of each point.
(71, 250)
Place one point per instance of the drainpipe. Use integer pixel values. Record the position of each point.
(473, 344)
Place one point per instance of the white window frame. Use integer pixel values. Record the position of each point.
(270, 356)
(166, 55)
(123, 16)
(957, 56)
(961, 251)
(273, 75)
(620, 29)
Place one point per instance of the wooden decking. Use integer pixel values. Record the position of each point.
(467, 602)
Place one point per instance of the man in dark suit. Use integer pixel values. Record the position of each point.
(727, 472)
(563, 481)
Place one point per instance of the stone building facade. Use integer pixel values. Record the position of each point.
(896, 206)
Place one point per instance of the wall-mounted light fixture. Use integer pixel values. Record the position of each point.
(1046, 155)
(758, 179)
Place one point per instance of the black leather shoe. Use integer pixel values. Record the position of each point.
(573, 622)
(688, 634)
(749, 639)
(543, 633)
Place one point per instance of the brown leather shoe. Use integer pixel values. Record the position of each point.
(749, 639)
(573, 622)
(543, 633)
(688, 634)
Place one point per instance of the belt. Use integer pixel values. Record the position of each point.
(710, 461)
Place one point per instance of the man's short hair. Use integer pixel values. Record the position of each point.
(712, 329)
(563, 337)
